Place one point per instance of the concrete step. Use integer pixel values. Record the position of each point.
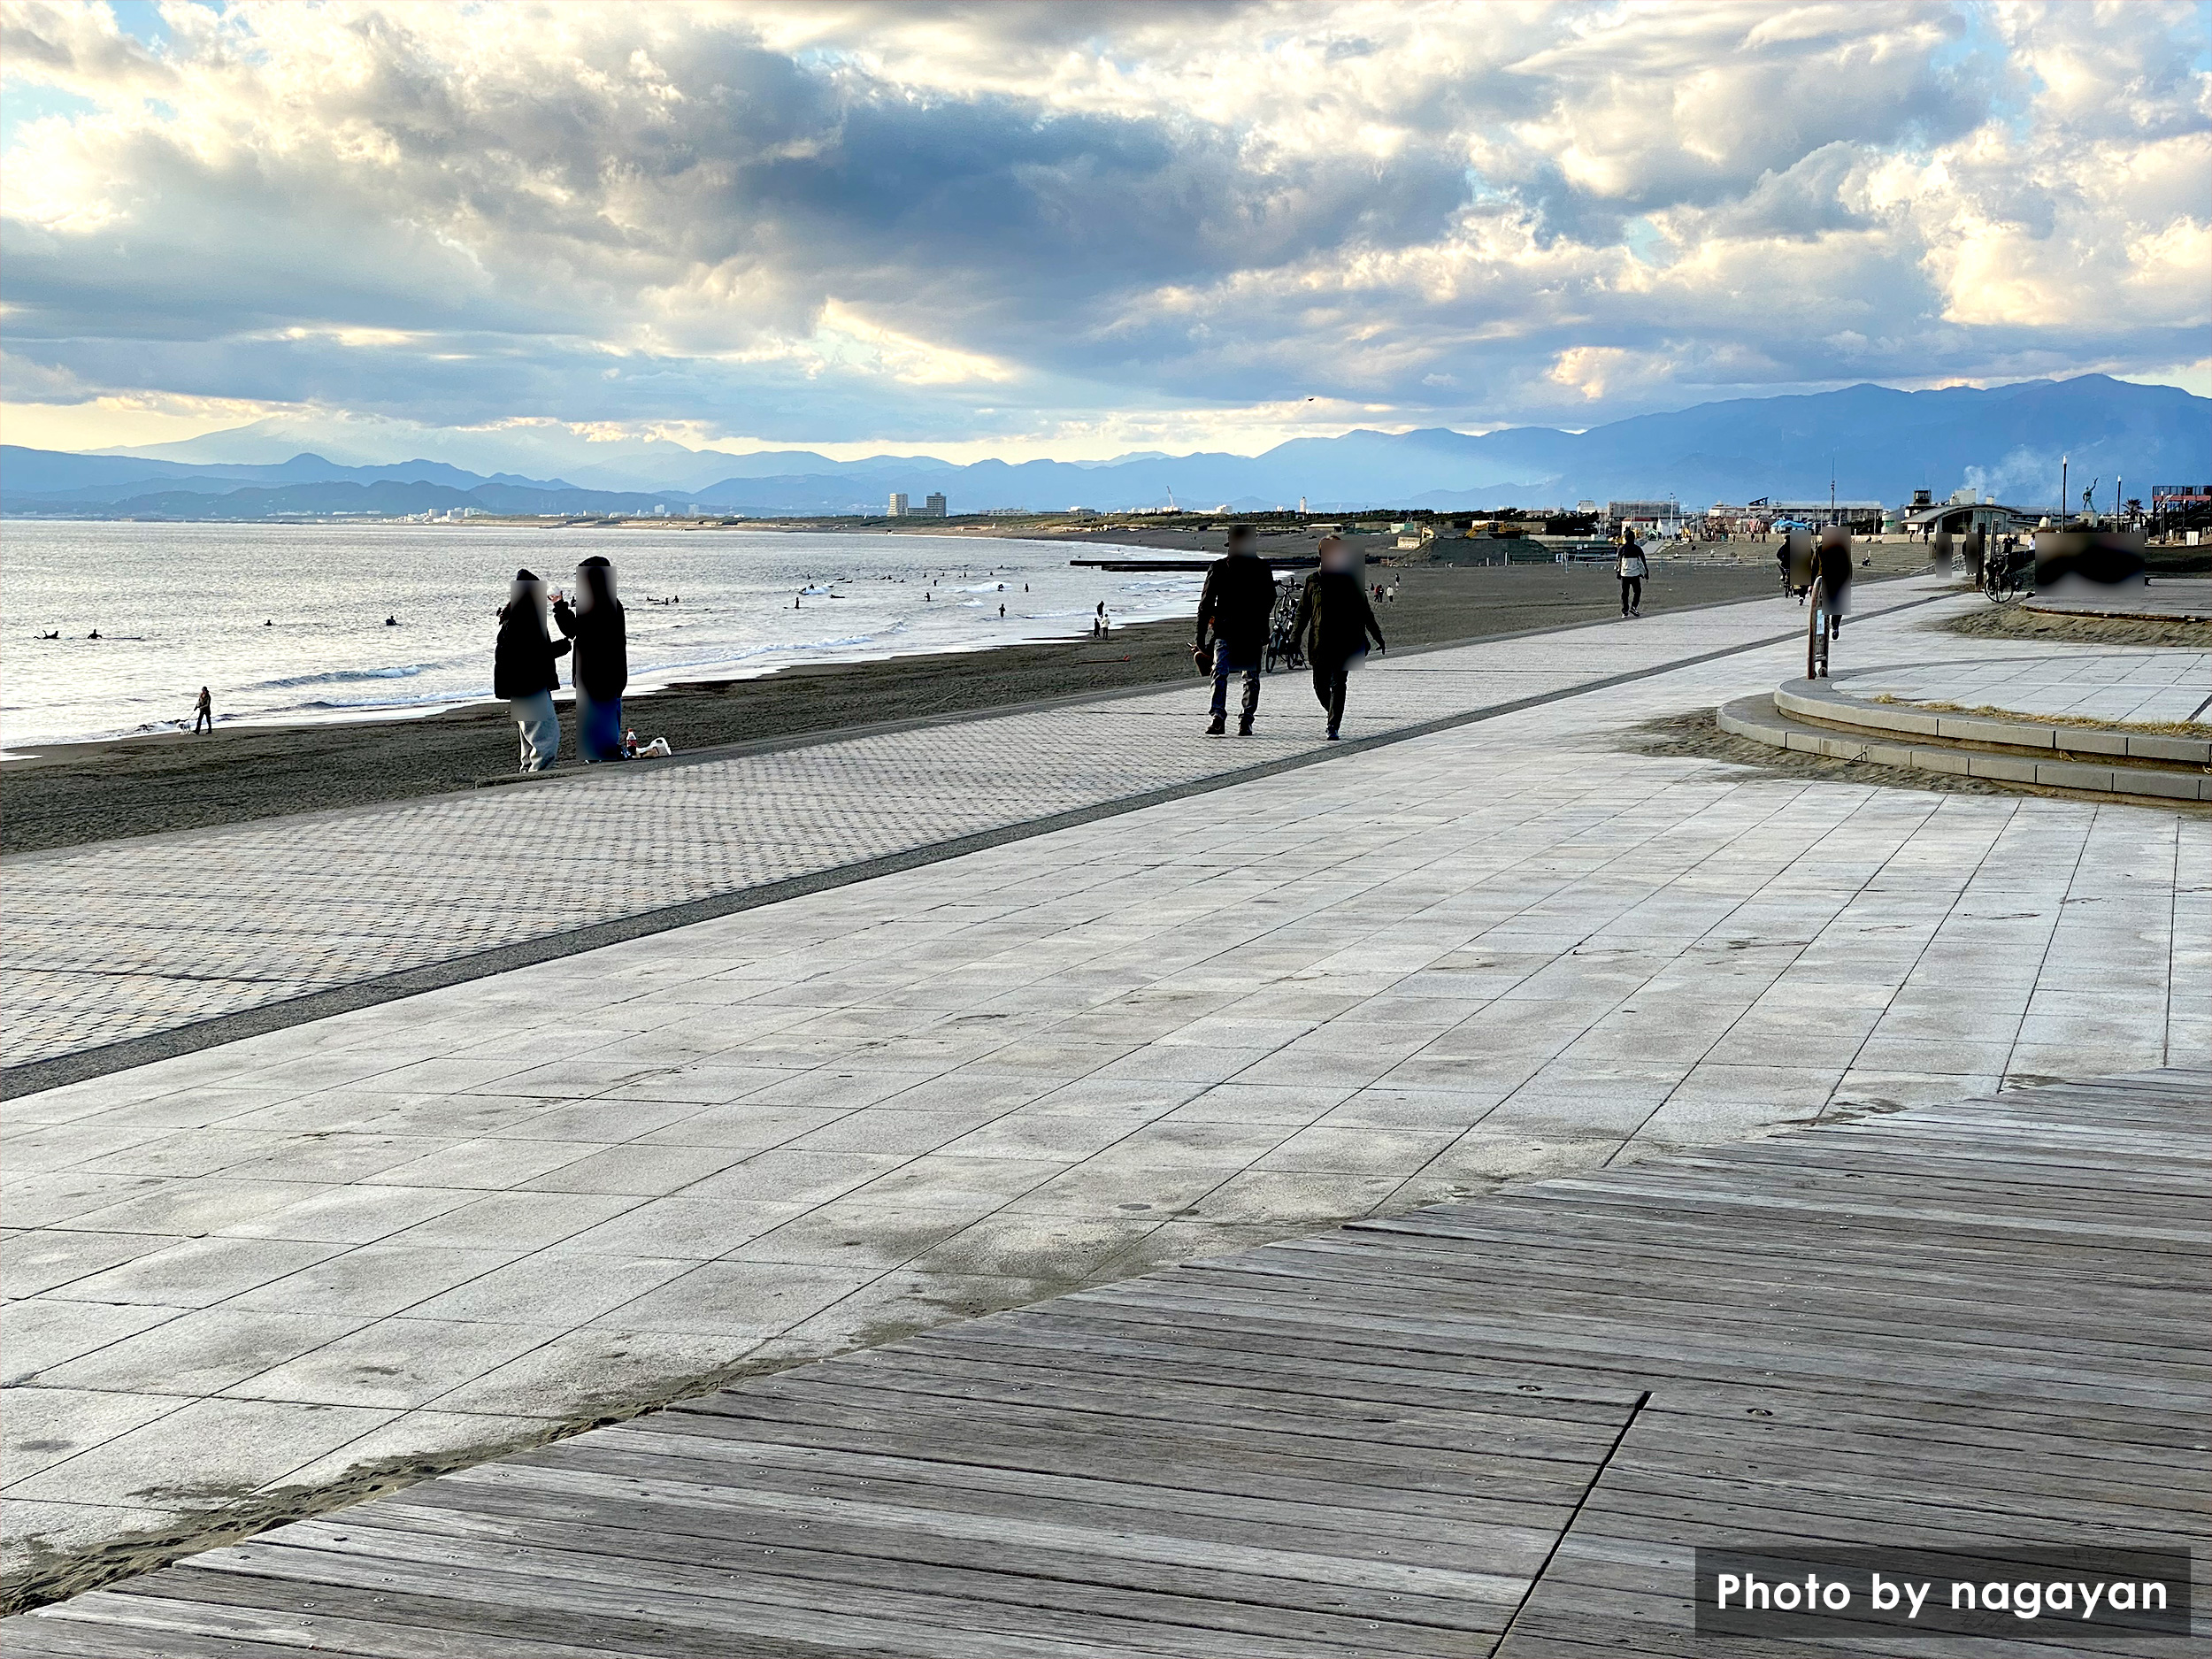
(1828, 703)
(1759, 719)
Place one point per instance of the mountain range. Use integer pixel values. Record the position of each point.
(1875, 443)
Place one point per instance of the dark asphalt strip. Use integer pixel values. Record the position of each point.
(106, 1060)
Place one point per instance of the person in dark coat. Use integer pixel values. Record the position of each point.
(523, 671)
(1832, 589)
(1976, 553)
(1336, 620)
(1232, 615)
(601, 668)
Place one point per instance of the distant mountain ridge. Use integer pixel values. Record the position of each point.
(1880, 442)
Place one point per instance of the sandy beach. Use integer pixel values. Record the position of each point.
(71, 793)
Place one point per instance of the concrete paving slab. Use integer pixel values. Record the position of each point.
(1497, 951)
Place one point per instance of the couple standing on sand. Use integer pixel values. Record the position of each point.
(523, 663)
(1335, 619)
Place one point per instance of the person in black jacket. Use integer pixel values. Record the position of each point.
(1336, 620)
(1233, 610)
(1832, 590)
(523, 672)
(601, 668)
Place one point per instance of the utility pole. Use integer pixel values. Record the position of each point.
(1832, 486)
(2062, 514)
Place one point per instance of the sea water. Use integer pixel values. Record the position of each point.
(286, 622)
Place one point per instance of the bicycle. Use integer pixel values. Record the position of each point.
(2005, 577)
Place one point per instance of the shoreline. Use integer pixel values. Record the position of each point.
(68, 794)
(38, 752)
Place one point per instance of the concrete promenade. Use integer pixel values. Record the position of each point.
(439, 1227)
(127, 939)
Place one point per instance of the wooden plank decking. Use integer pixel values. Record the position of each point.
(1496, 1427)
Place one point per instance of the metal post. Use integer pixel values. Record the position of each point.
(2063, 515)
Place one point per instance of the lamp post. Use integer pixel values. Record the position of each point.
(2062, 514)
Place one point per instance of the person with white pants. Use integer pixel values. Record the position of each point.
(523, 671)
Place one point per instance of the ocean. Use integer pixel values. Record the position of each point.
(287, 623)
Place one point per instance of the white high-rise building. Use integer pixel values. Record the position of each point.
(898, 505)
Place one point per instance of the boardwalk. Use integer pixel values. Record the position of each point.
(1495, 1427)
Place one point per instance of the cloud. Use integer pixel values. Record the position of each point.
(837, 222)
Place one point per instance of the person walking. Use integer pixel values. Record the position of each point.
(204, 712)
(1831, 596)
(1975, 552)
(601, 668)
(1633, 569)
(523, 671)
(1335, 615)
(1233, 610)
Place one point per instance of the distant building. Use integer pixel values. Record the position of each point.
(1861, 516)
(898, 505)
(1643, 514)
(1967, 511)
(1756, 517)
(933, 506)
(2174, 497)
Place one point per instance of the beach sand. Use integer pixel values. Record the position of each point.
(61, 796)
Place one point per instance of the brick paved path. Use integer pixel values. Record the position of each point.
(126, 939)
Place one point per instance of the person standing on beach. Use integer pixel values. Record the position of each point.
(1233, 612)
(204, 712)
(1633, 569)
(1334, 615)
(523, 671)
(601, 668)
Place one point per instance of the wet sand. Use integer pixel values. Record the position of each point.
(64, 796)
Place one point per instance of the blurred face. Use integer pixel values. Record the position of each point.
(1332, 556)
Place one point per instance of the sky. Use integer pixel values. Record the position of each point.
(1074, 229)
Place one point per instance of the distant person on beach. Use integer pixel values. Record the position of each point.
(1233, 610)
(1336, 620)
(204, 712)
(523, 671)
(601, 668)
(1632, 568)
